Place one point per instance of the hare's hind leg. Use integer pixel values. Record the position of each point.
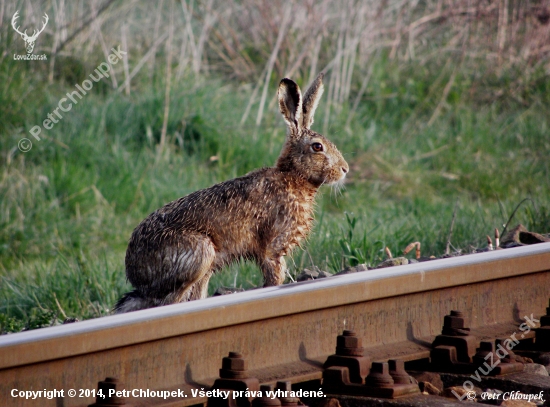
(200, 288)
(191, 264)
(273, 269)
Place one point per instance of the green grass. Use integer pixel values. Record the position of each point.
(68, 207)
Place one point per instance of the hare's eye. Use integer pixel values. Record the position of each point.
(317, 147)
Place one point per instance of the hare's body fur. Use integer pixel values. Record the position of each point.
(260, 216)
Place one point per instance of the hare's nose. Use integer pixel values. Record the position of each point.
(345, 170)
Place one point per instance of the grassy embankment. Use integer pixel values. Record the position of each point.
(425, 139)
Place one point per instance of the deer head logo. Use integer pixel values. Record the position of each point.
(29, 40)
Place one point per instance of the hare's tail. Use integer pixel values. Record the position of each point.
(131, 301)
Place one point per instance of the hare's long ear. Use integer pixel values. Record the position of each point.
(290, 103)
(311, 100)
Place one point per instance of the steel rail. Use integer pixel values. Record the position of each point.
(183, 344)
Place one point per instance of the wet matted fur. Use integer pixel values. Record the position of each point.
(261, 216)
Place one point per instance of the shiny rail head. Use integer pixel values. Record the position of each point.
(319, 294)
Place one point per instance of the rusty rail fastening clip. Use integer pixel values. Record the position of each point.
(264, 400)
(268, 401)
(234, 377)
(542, 338)
(348, 372)
(286, 387)
(456, 351)
(350, 354)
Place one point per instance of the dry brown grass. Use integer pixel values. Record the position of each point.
(238, 38)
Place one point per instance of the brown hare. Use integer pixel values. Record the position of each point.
(262, 216)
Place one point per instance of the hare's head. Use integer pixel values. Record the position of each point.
(306, 152)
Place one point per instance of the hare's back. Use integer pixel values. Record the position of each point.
(226, 207)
